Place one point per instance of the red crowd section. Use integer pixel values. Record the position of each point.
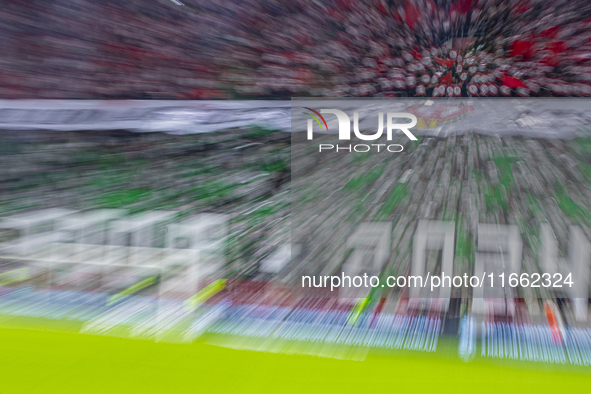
(80, 49)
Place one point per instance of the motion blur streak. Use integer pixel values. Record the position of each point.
(157, 184)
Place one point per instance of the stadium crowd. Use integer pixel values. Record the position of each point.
(199, 49)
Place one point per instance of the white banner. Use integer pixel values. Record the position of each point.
(177, 117)
(545, 118)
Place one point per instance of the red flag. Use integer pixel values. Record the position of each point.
(513, 83)
(412, 14)
(461, 6)
(522, 47)
(446, 79)
(556, 46)
(444, 62)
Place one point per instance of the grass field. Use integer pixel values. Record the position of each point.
(42, 361)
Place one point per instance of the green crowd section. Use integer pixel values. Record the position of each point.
(465, 179)
(244, 173)
(254, 174)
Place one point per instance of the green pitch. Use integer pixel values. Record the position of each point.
(40, 361)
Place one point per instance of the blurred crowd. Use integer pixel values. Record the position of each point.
(232, 49)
